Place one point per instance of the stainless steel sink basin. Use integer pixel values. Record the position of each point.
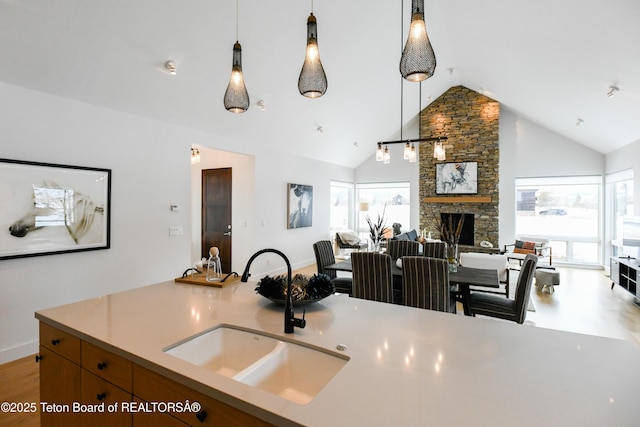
(293, 371)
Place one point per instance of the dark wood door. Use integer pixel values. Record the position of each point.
(216, 214)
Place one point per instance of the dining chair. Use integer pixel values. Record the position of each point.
(506, 308)
(400, 248)
(372, 278)
(434, 250)
(425, 284)
(323, 250)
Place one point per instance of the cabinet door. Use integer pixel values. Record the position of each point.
(98, 395)
(155, 419)
(152, 387)
(59, 386)
(614, 272)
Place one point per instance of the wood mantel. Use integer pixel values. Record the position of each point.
(458, 199)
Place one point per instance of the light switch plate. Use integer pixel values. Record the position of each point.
(175, 230)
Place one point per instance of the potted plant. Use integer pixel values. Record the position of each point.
(377, 229)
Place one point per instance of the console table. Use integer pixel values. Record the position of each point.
(624, 272)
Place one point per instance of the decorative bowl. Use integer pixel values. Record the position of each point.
(304, 289)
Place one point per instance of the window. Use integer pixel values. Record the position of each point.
(620, 185)
(341, 210)
(565, 210)
(391, 198)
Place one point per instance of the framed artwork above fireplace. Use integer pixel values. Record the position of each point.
(457, 178)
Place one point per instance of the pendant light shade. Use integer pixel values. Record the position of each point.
(418, 62)
(379, 153)
(312, 82)
(236, 98)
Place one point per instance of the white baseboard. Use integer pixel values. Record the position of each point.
(18, 352)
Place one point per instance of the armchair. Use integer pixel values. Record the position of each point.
(539, 247)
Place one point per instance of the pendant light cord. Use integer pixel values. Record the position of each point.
(401, 78)
(237, 19)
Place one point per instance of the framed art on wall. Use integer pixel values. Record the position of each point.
(299, 205)
(457, 178)
(51, 209)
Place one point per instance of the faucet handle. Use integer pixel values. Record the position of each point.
(300, 323)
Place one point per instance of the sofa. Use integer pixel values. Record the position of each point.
(407, 235)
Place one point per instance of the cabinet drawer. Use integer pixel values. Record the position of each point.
(96, 391)
(107, 365)
(152, 387)
(60, 342)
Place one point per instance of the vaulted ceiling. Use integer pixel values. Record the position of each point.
(548, 60)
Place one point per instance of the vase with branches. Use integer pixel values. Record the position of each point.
(377, 229)
(450, 231)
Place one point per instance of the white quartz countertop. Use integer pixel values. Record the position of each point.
(407, 366)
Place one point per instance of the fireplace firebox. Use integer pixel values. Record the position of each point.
(468, 227)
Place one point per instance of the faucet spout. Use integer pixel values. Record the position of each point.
(290, 321)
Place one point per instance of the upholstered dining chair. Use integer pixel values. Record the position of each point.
(372, 278)
(425, 283)
(324, 256)
(434, 250)
(401, 248)
(506, 308)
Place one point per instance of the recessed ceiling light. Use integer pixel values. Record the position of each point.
(261, 105)
(579, 122)
(320, 129)
(612, 91)
(170, 66)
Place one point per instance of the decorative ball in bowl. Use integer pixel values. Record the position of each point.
(304, 289)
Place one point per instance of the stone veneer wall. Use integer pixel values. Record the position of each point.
(471, 122)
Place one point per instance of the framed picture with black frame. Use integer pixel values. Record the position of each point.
(299, 205)
(53, 209)
(457, 178)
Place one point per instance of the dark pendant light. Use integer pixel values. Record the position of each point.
(312, 82)
(418, 62)
(236, 97)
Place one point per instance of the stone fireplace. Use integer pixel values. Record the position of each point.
(470, 120)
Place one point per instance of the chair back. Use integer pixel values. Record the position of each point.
(434, 250)
(523, 287)
(401, 248)
(324, 256)
(372, 277)
(425, 283)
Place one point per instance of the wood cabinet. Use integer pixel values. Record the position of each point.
(152, 387)
(80, 380)
(624, 272)
(74, 372)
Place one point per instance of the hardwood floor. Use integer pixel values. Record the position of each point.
(583, 303)
(20, 383)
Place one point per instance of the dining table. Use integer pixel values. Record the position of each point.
(460, 280)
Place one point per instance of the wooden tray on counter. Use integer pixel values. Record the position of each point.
(201, 279)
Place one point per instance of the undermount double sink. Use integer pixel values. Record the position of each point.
(294, 371)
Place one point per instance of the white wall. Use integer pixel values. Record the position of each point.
(151, 170)
(529, 150)
(627, 157)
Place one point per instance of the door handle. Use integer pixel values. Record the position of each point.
(228, 233)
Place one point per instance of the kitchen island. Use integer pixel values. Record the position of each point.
(405, 366)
